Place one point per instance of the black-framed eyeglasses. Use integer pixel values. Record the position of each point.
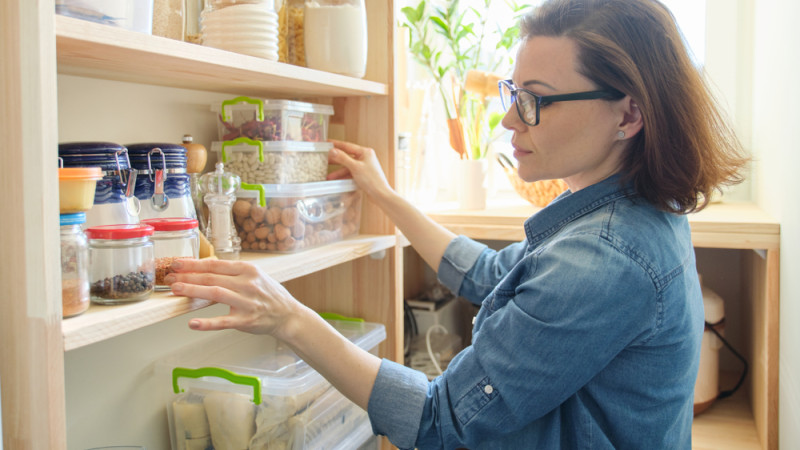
(529, 104)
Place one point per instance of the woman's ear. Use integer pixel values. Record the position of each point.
(631, 122)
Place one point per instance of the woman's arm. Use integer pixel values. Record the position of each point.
(260, 305)
(427, 237)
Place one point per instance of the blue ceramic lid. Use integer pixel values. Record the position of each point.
(174, 155)
(73, 218)
(89, 154)
(144, 148)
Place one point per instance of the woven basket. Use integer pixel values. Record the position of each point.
(539, 193)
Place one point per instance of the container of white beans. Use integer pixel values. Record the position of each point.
(274, 162)
(287, 218)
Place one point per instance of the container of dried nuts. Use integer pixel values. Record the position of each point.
(272, 120)
(287, 218)
(121, 264)
(173, 238)
(276, 162)
(74, 265)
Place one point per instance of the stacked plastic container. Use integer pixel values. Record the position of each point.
(279, 149)
(236, 390)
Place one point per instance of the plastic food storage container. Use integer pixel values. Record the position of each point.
(173, 238)
(290, 217)
(163, 187)
(134, 15)
(275, 162)
(336, 36)
(238, 390)
(76, 186)
(121, 265)
(114, 199)
(272, 120)
(249, 27)
(74, 265)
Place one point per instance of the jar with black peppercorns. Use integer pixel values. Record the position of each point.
(121, 263)
(74, 265)
(173, 238)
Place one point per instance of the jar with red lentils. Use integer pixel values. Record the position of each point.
(173, 238)
(120, 263)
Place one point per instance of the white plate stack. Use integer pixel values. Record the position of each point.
(247, 28)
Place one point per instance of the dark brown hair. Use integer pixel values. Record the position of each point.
(686, 149)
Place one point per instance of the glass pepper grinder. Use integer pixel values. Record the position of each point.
(219, 193)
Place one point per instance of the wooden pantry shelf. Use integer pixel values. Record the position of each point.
(103, 322)
(722, 225)
(102, 51)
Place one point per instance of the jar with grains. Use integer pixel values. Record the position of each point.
(121, 264)
(74, 265)
(291, 25)
(168, 20)
(173, 238)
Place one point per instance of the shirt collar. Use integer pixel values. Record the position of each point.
(569, 206)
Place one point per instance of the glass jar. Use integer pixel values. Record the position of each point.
(114, 199)
(173, 238)
(291, 48)
(121, 265)
(163, 187)
(168, 20)
(74, 265)
(335, 36)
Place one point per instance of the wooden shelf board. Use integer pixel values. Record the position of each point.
(103, 51)
(103, 322)
(726, 424)
(723, 225)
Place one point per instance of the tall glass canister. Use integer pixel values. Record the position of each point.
(335, 36)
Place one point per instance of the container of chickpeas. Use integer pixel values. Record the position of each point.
(274, 162)
(286, 218)
(272, 120)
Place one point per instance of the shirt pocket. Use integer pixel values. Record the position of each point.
(474, 400)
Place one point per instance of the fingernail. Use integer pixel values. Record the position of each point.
(334, 152)
(169, 279)
(177, 264)
(194, 324)
(177, 287)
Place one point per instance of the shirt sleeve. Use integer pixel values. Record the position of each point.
(396, 403)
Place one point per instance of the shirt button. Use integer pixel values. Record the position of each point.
(473, 319)
(488, 389)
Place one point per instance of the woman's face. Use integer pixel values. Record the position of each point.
(574, 140)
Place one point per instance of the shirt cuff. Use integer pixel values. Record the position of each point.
(396, 403)
(459, 257)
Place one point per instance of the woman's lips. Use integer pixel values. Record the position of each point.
(519, 152)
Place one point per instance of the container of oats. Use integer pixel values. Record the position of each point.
(173, 238)
(274, 162)
(287, 218)
(272, 120)
(121, 265)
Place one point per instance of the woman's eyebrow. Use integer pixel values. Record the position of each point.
(537, 82)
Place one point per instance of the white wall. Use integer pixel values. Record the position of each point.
(776, 115)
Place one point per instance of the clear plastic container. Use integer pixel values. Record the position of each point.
(263, 162)
(249, 390)
(134, 15)
(121, 265)
(74, 265)
(287, 218)
(335, 36)
(272, 120)
(173, 238)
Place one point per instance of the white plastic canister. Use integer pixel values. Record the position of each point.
(707, 386)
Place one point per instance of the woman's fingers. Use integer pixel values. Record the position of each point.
(216, 266)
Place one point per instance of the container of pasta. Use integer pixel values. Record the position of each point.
(286, 218)
(272, 120)
(236, 391)
(274, 162)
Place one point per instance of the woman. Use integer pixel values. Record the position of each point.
(589, 330)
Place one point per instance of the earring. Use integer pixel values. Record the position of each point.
(621, 134)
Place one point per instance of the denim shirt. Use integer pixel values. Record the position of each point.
(588, 336)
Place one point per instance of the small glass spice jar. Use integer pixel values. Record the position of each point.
(173, 238)
(74, 265)
(121, 266)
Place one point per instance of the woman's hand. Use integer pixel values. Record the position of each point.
(258, 304)
(361, 164)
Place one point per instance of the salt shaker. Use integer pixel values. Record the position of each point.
(219, 193)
